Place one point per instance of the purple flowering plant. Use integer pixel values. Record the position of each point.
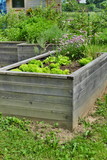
(72, 46)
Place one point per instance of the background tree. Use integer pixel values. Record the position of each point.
(89, 1)
(96, 2)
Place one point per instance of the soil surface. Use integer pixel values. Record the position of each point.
(72, 67)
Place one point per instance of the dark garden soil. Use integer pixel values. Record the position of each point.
(72, 67)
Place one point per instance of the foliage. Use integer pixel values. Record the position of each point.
(72, 46)
(13, 34)
(94, 50)
(85, 61)
(69, 5)
(104, 4)
(102, 37)
(51, 65)
(50, 36)
(89, 1)
(32, 28)
(21, 27)
(91, 7)
(88, 24)
(98, 3)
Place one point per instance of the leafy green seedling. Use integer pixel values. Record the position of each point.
(36, 62)
(54, 65)
(16, 70)
(24, 68)
(49, 59)
(85, 61)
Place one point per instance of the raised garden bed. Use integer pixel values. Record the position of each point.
(14, 51)
(53, 97)
(8, 52)
(26, 51)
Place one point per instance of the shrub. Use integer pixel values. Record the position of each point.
(13, 34)
(103, 37)
(51, 35)
(34, 30)
(70, 5)
(91, 7)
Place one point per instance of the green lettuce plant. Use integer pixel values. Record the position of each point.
(85, 61)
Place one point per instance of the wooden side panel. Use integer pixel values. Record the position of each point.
(88, 84)
(26, 51)
(36, 97)
(8, 53)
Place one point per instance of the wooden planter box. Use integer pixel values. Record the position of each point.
(61, 98)
(26, 51)
(14, 51)
(8, 52)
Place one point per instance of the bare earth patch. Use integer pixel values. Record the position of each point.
(43, 129)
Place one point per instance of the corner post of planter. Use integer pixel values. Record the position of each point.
(74, 112)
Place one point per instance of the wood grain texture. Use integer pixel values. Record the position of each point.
(88, 83)
(8, 53)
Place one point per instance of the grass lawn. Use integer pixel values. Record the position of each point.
(24, 140)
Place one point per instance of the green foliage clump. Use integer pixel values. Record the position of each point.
(51, 36)
(46, 70)
(36, 62)
(21, 27)
(24, 68)
(54, 65)
(13, 34)
(16, 69)
(51, 65)
(69, 5)
(85, 61)
(63, 60)
(72, 46)
(59, 71)
(50, 59)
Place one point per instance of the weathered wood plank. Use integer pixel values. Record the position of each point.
(8, 50)
(84, 108)
(35, 112)
(37, 80)
(92, 81)
(26, 61)
(31, 88)
(36, 98)
(89, 69)
(89, 86)
(36, 105)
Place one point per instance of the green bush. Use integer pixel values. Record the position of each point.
(34, 30)
(91, 7)
(103, 37)
(68, 5)
(13, 34)
(30, 28)
(51, 35)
